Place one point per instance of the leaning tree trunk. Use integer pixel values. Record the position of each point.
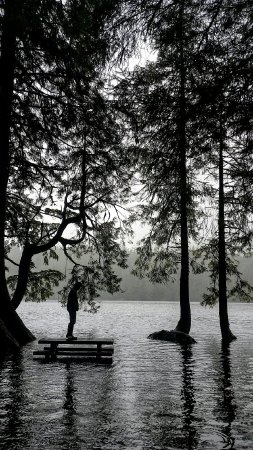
(12, 330)
(184, 323)
(223, 303)
(23, 276)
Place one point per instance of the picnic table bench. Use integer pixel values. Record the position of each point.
(97, 349)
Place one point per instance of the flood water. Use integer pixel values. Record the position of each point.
(154, 396)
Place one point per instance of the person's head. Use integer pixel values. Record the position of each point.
(77, 285)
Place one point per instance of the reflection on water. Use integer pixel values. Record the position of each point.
(155, 395)
(16, 430)
(188, 398)
(70, 429)
(226, 410)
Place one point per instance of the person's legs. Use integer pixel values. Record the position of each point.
(72, 321)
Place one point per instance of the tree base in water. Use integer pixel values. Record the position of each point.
(13, 332)
(172, 336)
(8, 342)
(229, 337)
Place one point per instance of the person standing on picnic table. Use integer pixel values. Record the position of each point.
(72, 307)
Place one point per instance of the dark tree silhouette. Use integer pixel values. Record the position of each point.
(159, 105)
(224, 99)
(58, 138)
(12, 329)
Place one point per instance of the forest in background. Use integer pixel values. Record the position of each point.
(133, 288)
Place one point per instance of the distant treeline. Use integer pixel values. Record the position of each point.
(132, 287)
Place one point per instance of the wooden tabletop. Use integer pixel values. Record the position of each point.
(76, 341)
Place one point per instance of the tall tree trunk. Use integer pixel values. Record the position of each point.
(184, 323)
(7, 65)
(223, 309)
(11, 324)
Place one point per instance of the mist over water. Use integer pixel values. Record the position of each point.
(155, 395)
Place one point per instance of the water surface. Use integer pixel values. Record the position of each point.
(155, 395)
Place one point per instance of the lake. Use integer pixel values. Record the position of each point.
(154, 396)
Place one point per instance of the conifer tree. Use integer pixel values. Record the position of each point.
(160, 106)
(60, 144)
(224, 102)
(190, 112)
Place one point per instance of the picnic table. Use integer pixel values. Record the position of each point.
(97, 349)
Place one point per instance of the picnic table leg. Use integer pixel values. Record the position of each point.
(53, 351)
(99, 348)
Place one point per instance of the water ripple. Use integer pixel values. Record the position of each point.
(155, 395)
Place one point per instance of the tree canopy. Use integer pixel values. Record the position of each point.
(71, 142)
(64, 162)
(189, 111)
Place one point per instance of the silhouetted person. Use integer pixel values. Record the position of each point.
(72, 307)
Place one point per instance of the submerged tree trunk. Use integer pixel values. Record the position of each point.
(223, 307)
(184, 323)
(13, 331)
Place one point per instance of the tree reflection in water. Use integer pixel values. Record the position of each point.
(188, 397)
(226, 403)
(69, 405)
(16, 432)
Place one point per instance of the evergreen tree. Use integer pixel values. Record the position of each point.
(12, 329)
(160, 106)
(60, 144)
(195, 101)
(223, 113)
